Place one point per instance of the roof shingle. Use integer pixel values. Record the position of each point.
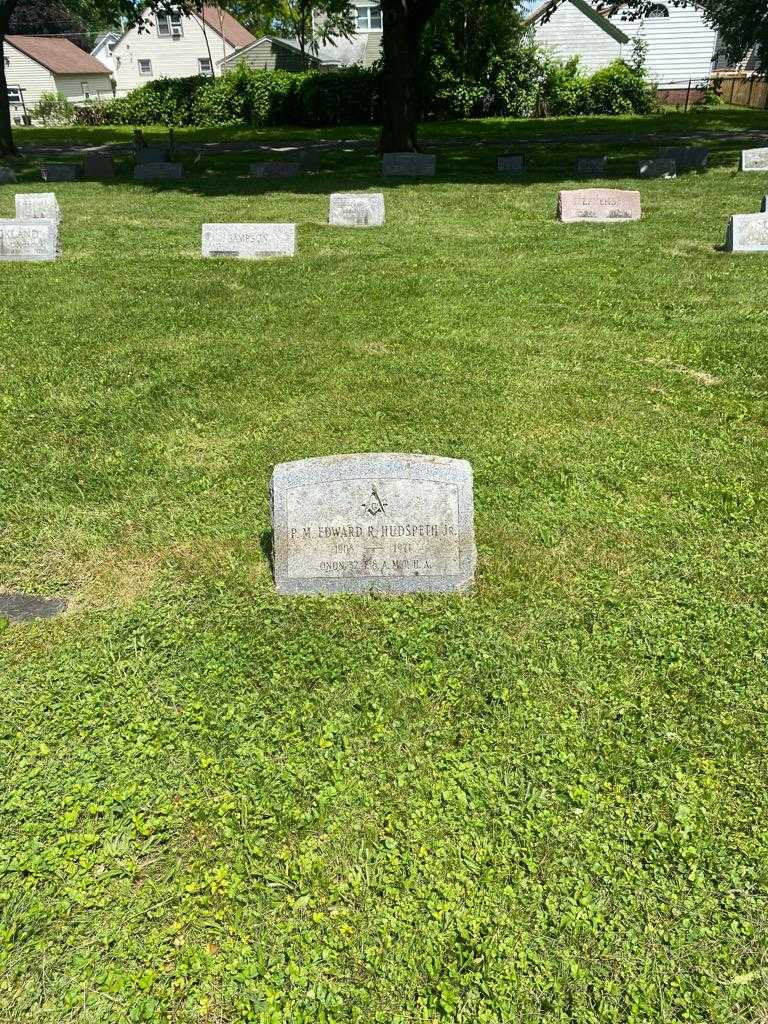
(60, 56)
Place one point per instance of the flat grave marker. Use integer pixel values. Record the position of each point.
(275, 169)
(594, 166)
(150, 155)
(61, 172)
(598, 205)
(37, 206)
(249, 241)
(687, 158)
(511, 163)
(747, 232)
(28, 241)
(356, 209)
(658, 167)
(754, 159)
(7, 176)
(409, 165)
(380, 523)
(158, 172)
(98, 166)
(18, 607)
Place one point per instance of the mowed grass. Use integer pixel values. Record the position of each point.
(543, 801)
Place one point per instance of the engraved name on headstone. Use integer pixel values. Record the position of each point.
(275, 169)
(409, 165)
(157, 172)
(380, 523)
(61, 172)
(356, 209)
(754, 159)
(658, 168)
(249, 241)
(511, 163)
(603, 205)
(687, 158)
(37, 206)
(28, 240)
(596, 166)
(747, 232)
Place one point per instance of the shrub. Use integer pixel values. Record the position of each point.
(621, 89)
(53, 108)
(164, 101)
(565, 90)
(92, 114)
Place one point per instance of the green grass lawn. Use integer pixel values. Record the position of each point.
(544, 801)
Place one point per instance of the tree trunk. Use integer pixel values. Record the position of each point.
(7, 146)
(404, 22)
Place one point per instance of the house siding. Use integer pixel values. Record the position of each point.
(266, 56)
(30, 76)
(680, 47)
(569, 33)
(71, 86)
(171, 58)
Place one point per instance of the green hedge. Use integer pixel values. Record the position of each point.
(250, 97)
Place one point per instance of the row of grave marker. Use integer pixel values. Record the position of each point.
(34, 233)
(153, 164)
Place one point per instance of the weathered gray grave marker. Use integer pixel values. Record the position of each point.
(598, 205)
(28, 241)
(660, 167)
(7, 176)
(18, 607)
(594, 166)
(249, 241)
(511, 163)
(158, 172)
(687, 158)
(150, 155)
(61, 172)
(409, 165)
(356, 209)
(275, 169)
(747, 232)
(754, 159)
(98, 166)
(381, 523)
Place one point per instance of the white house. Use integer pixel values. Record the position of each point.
(680, 44)
(174, 45)
(38, 64)
(364, 46)
(105, 44)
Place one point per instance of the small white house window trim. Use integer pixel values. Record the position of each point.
(144, 67)
(15, 94)
(657, 11)
(170, 25)
(369, 18)
(85, 88)
(204, 66)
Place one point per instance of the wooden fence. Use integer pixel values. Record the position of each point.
(743, 90)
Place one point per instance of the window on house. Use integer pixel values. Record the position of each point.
(368, 18)
(14, 94)
(657, 11)
(86, 90)
(169, 25)
(204, 65)
(145, 67)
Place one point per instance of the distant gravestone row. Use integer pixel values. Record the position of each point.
(33, 235)
(665, 165)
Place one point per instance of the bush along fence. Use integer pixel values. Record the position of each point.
(320, 99)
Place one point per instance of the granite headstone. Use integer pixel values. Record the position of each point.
(61, 172)
(98, 166)
(158, 172)
(409, 165)
(249, 241)
(37, 206)
(511, 163)
(150, 155)
(687, 158)
(659, 167)
(380, 523)
(356, 209)
(598, 205)
(594, 166)
(7, 175)
(18, 607)
(754, 159)
(28, 240)
(275, 169)
(747, 232)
